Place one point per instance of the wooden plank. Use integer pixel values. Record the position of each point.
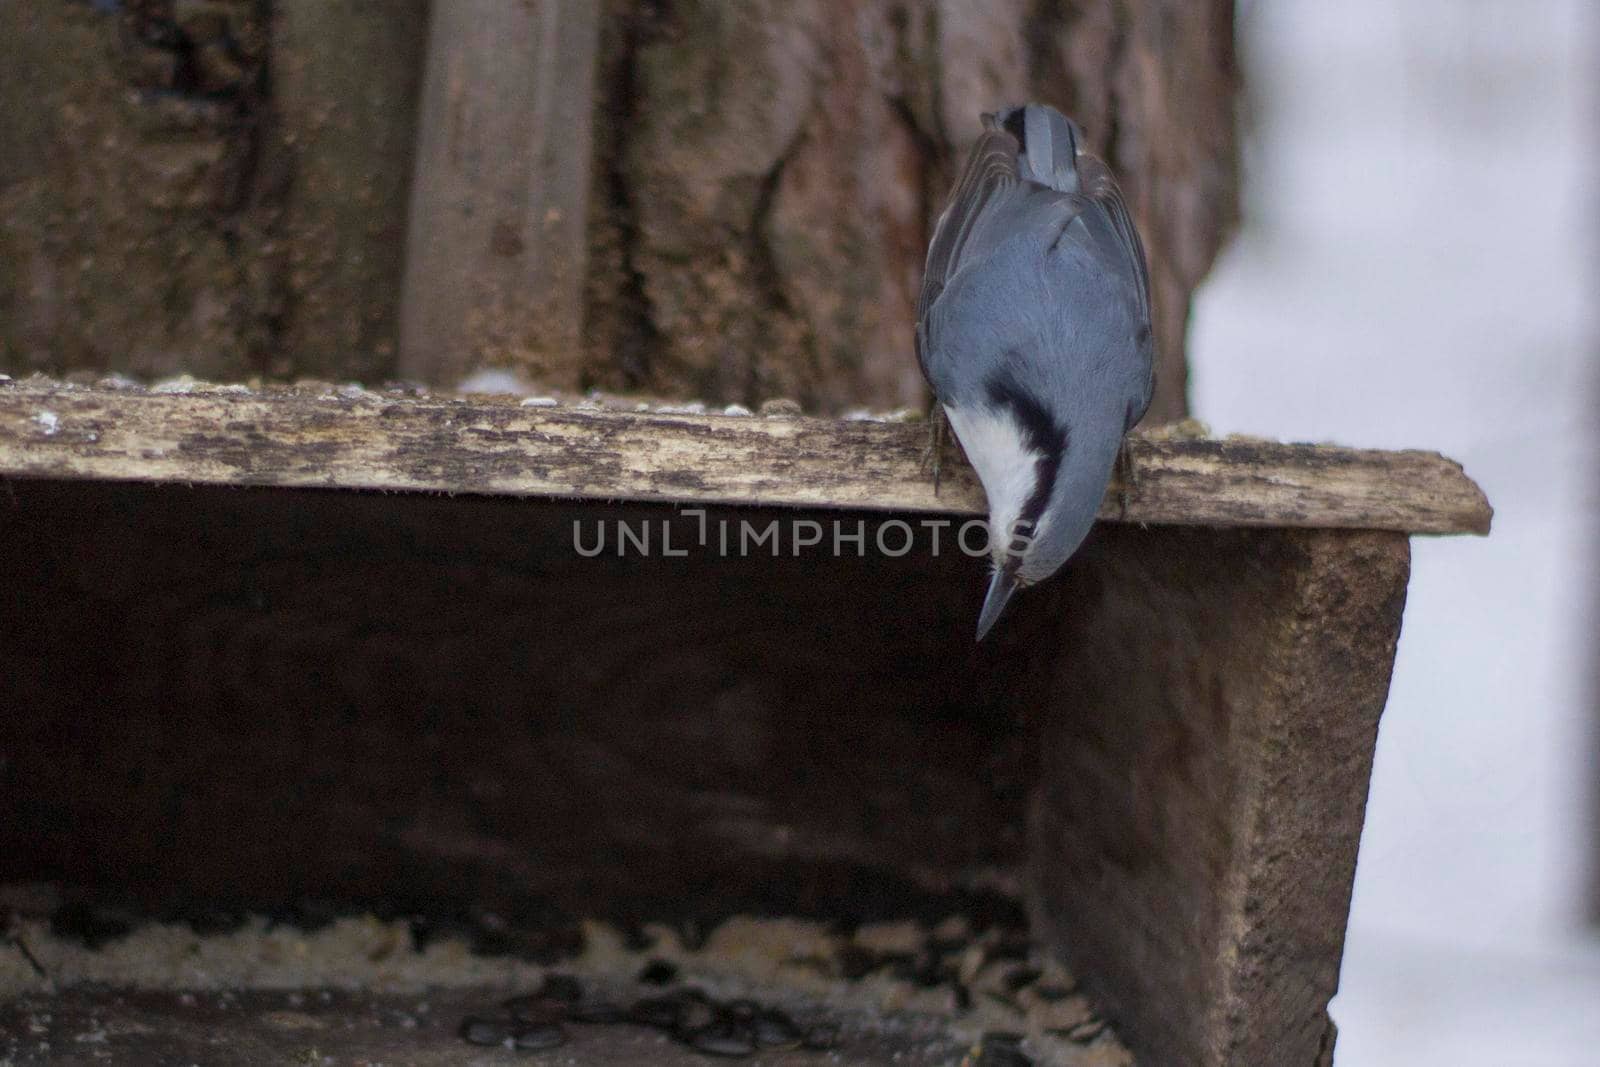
(665, 739)
(345, 81)
(354, 439)
(497, 243)
(371, 1024)
(1205, 760)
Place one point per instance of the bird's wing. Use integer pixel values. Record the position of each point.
(993, 208)
(1105, 227)
(1110, 226)
(988, 180)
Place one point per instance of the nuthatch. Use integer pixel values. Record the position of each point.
(1033, 328)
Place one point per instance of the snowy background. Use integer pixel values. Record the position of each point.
(1419, 267)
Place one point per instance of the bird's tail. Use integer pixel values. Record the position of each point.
(1048, 143)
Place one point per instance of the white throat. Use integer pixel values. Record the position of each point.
(1006, 466)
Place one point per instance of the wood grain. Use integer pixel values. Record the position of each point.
(1203, 780)
(495, 252)
(437, 706)
(364, 440)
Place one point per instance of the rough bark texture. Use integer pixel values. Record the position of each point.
(365, 440)
(769, 172)
(215, 187)
(496, 250)
(761, 186)
(127, 151)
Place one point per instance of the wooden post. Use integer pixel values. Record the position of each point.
(495, 255)
(344, 83)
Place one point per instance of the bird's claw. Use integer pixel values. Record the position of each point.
(1127, 476)
(933, 453)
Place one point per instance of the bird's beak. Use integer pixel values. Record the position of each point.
(1001, 586)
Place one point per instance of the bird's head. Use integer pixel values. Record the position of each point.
(1044, 487)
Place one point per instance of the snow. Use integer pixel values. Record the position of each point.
(1418, 269)
(495, 380)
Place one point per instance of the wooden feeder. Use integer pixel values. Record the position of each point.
(267, 645)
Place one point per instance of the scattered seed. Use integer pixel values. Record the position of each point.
(694, 1015)
(659, 972)
(780, 407)
(1086, 1031)
(478, 1030)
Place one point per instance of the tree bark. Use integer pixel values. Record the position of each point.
(168, 203)
(754, 206)
(125, 164)
(768, 173)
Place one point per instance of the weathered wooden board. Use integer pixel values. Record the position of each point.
(1203, 779)
(237, 699)
(364, 440)
(269, 1028)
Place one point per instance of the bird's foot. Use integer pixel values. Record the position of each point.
(933, 452)
(1127, 476)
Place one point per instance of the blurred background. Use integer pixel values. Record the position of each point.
(1418, 267)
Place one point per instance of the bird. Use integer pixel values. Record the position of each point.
(1033, 332)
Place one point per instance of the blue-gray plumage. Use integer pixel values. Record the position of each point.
(1033, 328)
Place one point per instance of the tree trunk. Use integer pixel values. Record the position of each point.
(125, 162)
(169, 203)
(760, 186)
(768, 173)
